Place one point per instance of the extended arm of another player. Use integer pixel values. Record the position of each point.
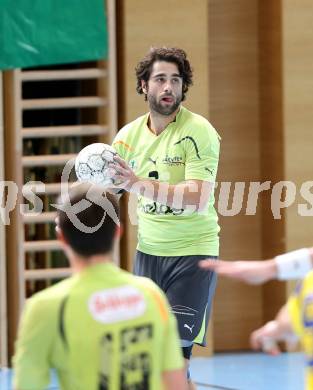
(291, 265)
(191, 194)
(280, 329)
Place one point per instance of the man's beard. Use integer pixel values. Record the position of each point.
(160, 109)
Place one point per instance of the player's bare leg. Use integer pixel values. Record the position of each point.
(191, 385)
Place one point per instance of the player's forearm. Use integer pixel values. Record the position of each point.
(283, 321)
(283, 326)
(269, 270)
(193, 195)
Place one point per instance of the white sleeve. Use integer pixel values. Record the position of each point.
(293, 265)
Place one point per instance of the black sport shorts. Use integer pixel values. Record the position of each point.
(188, 288)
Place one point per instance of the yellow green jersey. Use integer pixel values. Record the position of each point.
(300, 308)
(188, 149)
(102, 329)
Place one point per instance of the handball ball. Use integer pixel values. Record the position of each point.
(92, 164)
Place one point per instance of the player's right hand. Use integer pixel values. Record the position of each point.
(123, 174)
(266, 337)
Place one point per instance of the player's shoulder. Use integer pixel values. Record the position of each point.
(155, 297)
(143, 282)
(132, 126)
(197, 124)
(51, 296)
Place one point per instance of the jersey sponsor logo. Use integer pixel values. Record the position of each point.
(160, 209)
(173, 161)
(118, 304)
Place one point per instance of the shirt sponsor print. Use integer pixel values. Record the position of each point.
(159, 209)
(173, 161)
(117, 304)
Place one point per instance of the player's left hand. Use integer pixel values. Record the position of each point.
(123, 174)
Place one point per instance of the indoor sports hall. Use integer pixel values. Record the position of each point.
(67, 80)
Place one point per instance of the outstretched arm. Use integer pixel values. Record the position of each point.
(291, 265)
(253, 272)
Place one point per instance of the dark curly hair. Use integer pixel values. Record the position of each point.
(168, 54)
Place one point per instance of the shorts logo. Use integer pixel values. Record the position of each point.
(184, 310)
(190, 328)
(118, 304)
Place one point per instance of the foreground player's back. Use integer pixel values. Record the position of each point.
(101, 329)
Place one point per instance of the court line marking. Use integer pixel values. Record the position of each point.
(214, 386)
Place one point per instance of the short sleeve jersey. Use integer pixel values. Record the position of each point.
(300, 308)
(188, 149)
(102, 329)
